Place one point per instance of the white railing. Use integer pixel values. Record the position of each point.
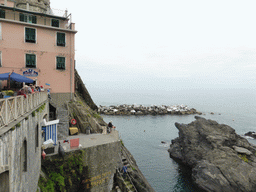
(14, 107)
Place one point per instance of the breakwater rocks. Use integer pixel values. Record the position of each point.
(146, 110)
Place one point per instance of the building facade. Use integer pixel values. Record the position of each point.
(38, 44)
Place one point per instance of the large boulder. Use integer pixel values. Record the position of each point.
(220, 159)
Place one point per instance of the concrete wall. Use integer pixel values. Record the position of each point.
(12, 156)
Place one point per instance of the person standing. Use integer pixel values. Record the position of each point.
(125, 171)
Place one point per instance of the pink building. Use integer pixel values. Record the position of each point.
(38, 44)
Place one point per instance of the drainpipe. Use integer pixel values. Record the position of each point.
(71, 66)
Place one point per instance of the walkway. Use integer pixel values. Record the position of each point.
(88, 141)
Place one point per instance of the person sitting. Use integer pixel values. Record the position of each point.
(22, 92)
(110, 126)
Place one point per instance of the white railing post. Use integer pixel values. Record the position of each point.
(15, 108)
(6, 112)
(22, 107)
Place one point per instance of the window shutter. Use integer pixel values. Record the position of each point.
(2, 13)
(55, 23)
(22, 17)
(34, 19)
(33, 60)
(30, 35)
(60, 62)
(61, 41)
(30, 60)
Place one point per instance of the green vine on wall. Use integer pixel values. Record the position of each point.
(64, 175)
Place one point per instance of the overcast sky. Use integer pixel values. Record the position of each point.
(197, 42)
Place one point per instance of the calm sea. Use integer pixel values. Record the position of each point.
(143, 135)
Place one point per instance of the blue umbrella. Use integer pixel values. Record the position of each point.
(4, 76)
(20, 78)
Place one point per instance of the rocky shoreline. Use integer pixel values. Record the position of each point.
(147, 110)
(220, 159)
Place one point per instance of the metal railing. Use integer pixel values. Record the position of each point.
(14, 107)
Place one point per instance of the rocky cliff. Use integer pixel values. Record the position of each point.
(220, 159)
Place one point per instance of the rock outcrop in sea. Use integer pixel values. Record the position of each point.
(147, 110)
(220, 159)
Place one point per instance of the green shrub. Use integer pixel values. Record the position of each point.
(243, 157)
(33, 114)
(9, 93)
(13, 128)
(96, 115)
(18, 125)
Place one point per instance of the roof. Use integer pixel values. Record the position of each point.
(33, 12)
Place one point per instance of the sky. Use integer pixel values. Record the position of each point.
(147, 45)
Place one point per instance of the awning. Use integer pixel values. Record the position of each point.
(4, 76)
(20, 78)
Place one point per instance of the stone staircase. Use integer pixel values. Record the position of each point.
(63, 126)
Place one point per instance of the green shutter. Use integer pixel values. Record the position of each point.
(22, 17)
(34, 19)
(30, 60)
(55, 23)
(2, 13)
(61, 41)
(61, 63)
(30, 35)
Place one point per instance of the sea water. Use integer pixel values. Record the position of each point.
(142, 135)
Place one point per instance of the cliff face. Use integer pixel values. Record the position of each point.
(86, 117)
(81, 89)
(220, 159)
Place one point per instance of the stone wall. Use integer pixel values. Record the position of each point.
(102, 161)
(60, 99)
(20, 153)
(99, 162)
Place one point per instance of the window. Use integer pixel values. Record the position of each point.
(2, 13)
(23, 156)
(28, 18)
(30, 60)
(55, 23)
(61, 39)
(61, 63)
(30, 35)
(36, 138)
(0, 32)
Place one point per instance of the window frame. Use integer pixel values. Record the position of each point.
(27, 41)
(52, 20)
(60, 45)
(57, 63)
(26, 60)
